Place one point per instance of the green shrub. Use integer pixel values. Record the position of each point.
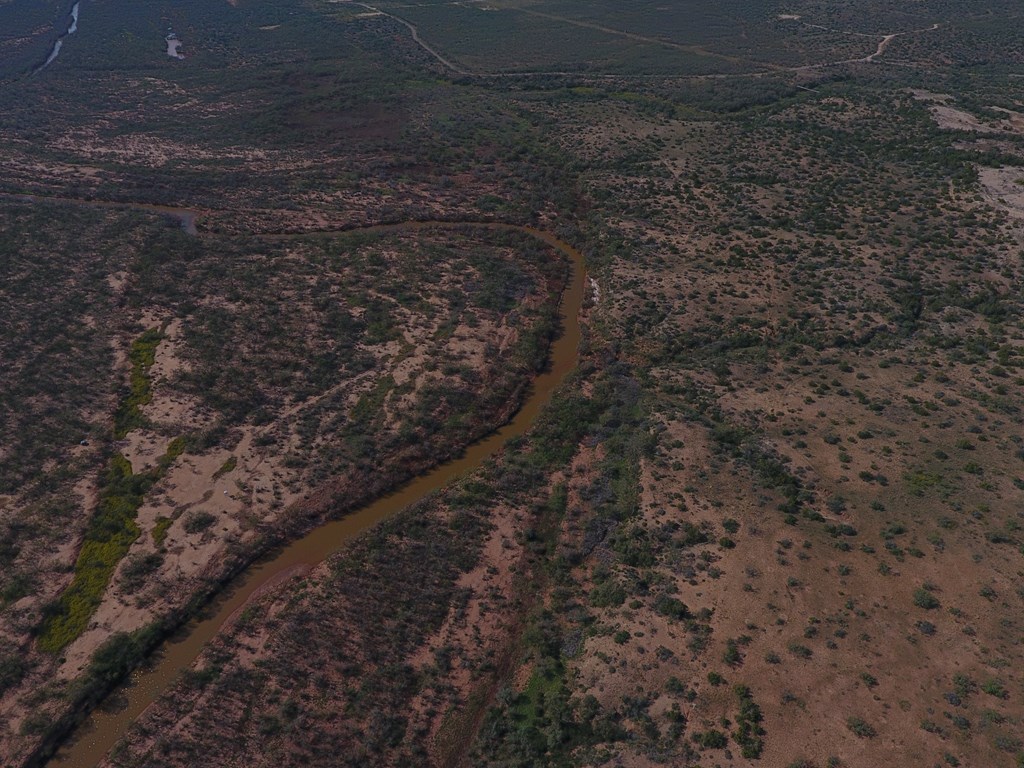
(12, 669)
(800, 651)
(732, 655)
(748, 733)
(137, 568)
(994, 687)
(860, 727)
(608, 594)
(925, 599)
(671, 607)
(197, 522)
(711, 739)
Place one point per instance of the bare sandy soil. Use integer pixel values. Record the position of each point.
(949, 117)
(1004, 189)
(955, 119)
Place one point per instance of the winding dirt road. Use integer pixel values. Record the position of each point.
(767, 67)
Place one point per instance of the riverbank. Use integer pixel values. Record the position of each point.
(331, 500)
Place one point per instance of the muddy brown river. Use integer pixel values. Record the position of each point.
(100, 732)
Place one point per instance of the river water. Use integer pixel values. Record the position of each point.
(184, 216)
(72, 28)
(100, 732)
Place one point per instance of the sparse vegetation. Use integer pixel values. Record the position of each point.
(789, 455)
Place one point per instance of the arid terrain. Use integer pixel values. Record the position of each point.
(762, 505)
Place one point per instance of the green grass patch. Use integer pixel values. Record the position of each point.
(174, 449)
(226, 467)
(160, 530)
(528, 708)
(113, 529)
(108, 538)
(920, 481)
(142, 355)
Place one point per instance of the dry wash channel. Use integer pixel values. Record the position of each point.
(101, 731)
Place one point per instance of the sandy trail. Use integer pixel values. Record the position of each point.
(768, 68)
(883, 44)
(418, 40)
(694, 49)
